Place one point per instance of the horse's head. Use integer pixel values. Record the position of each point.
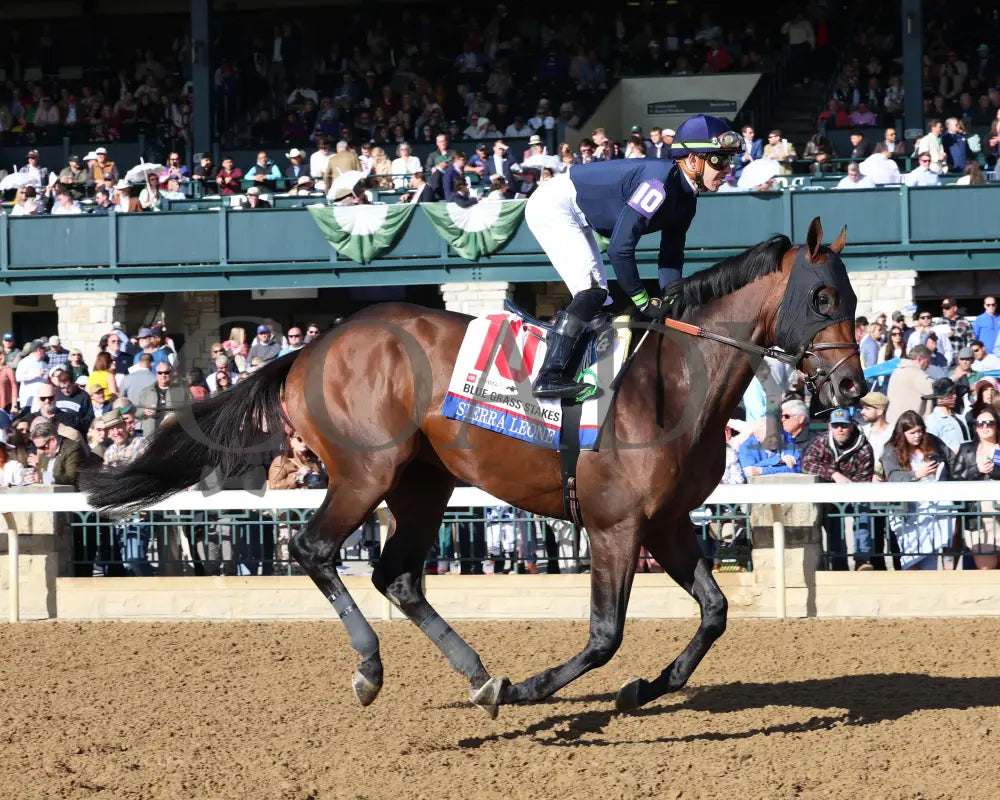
(815, 320)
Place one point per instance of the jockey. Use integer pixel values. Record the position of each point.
(621, 199)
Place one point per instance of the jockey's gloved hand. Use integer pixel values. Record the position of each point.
(652, 308)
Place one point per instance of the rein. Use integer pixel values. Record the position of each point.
(815, 379)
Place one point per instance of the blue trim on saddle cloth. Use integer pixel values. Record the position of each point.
(496, 418)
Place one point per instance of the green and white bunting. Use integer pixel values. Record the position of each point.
(362, 233)
(479, 230)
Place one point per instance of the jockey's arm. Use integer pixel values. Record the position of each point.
(629, 228)
(670, 260)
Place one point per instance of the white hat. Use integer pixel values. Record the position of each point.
(295, 153)
(91, 156)
(738, 425)
(82, 380)
(101, 151)
(668, 132)
(534, 139)
(3, 438)
(123, 184)
(54, 341)
(303, 180)
(253, 190)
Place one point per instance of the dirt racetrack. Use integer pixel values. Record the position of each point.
(805, 709)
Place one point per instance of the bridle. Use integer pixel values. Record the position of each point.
(814, 380)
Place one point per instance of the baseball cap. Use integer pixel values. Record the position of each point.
(636, 129)
(144, 333)
(32, 153)
(74, 158)
(263, 329)
(54, 341)
(839, 415)
(8, 337)
(966, 352)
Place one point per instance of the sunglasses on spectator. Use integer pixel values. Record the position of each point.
(989, 305)
(925, 316)
(163, 372)
(897, 332)
(295, 336)
(43, 398)
(786, 416)
(218, 350)
(986, 423)
(840, 424)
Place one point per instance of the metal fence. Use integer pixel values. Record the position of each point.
(471, 540)
(932, 534)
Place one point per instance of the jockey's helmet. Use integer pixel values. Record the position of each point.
(706, 136)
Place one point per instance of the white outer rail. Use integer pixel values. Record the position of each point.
(774, 494)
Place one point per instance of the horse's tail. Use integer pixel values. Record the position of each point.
(218, 432)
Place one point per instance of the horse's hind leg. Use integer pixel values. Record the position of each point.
(418, 503)
(678, 553)
(613, 560)
(316, 547)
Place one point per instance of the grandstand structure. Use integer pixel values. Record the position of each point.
(199, 265)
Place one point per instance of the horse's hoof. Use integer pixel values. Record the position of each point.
(365, 689)
(628, 696)
(487, 696)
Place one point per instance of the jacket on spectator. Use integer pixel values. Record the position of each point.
(265, 352)
(907, 385)
(854, 459)
(282, 472)
(77, 407)
(67, 463)
(966, 469)
(985, 328)
(491, 170)
(174, 397)
(896, 472)
(339, 163)
(753, 454)
(137, 379)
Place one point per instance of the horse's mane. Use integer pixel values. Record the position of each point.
(729, 275)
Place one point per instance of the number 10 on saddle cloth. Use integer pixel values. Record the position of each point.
(500, 355)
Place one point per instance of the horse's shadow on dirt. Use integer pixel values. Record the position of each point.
(858, 700)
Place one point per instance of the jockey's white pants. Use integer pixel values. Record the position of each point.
(561, 229)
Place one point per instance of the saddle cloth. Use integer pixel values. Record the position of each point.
(501, 354)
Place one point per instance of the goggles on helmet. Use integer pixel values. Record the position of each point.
(724, 145)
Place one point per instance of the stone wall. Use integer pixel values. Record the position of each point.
(84, 317)
(888, 291)
(478, 299)
(551, 297)
(200, 322)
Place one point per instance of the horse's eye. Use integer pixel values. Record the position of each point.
(825, 300)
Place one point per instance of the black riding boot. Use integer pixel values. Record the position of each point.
(552, 380)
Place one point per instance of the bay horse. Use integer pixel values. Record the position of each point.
(367, 397)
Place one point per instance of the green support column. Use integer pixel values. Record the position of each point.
(913, 54)
(203, 116)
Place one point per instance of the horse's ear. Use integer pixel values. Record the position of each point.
(838, 244)
(814, 240)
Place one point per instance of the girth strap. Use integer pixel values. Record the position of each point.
(569, 454)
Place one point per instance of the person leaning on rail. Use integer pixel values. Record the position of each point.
(842, 455)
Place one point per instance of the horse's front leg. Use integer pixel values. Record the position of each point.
(613, 560)
(677, 550)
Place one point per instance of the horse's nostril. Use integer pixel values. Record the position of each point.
(849, 388)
